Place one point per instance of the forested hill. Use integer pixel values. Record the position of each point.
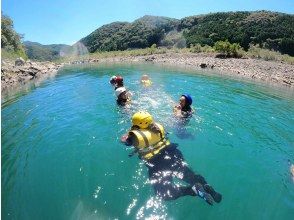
(141, 33)
(270, 30)
(37, 51)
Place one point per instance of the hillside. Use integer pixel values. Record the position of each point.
(141, 33)
(37, 51)
(270, 30)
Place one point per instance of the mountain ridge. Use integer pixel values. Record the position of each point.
(271, 30)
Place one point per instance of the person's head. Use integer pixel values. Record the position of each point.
(112, 80)
(145, 77)
(142, 119)
(121, 93)
(185, 100)
(119, 81)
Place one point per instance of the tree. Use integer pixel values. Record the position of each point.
(10, 39)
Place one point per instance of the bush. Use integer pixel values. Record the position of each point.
(152, 49)
(228, 49)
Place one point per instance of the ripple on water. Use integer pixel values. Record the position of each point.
(61, 148)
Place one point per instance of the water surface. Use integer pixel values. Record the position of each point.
(62, 158)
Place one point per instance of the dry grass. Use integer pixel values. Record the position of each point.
(260, 53)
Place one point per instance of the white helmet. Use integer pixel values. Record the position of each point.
(119, 91)
(112, 79)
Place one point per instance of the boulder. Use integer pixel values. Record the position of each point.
(150, 58)
(203, 65)
(19, 61)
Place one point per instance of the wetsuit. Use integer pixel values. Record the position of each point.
(122, 102)
(164, 167)
(186, 111)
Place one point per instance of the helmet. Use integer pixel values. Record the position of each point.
(119, 80)
(145, 77)
(188, 99)
(142, 119)
(112, 79)
(119, 91)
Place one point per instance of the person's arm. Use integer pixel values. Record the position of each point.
(128, 139)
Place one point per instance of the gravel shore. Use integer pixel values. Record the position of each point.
(270, 72)
(16, 74)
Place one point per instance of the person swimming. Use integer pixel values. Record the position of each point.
(119, 82)
(184, 109)
(123, 96)
(145, 81)
(165, 162)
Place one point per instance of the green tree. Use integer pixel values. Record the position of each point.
(10, 39)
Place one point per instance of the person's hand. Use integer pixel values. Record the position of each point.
(177, 107)
(124, 138)
(177, 111)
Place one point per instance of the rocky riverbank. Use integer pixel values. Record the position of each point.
(18, 73)
(271, 72)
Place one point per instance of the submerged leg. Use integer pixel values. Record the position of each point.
(167, 190)
(161, 179)
(170, 191)
(190, 177)
(179, 165)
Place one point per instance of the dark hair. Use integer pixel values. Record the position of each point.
(186, 108)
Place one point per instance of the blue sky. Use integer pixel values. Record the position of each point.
(67, 21)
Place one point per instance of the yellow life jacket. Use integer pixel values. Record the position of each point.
(146, 83)
(149, 143)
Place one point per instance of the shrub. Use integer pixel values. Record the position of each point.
(152, 49)
(228, 49)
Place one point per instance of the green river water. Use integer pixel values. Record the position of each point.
(62, 158)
